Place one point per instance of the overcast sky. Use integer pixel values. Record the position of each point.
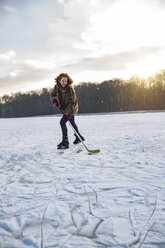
(92, 40)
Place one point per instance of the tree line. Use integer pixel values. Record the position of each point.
(108, 96)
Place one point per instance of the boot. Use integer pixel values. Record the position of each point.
(64, 144)
(77, 140)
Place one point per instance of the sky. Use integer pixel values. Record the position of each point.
(91, 40)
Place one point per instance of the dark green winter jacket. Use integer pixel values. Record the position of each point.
(66, 97)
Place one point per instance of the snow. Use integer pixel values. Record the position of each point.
(115, 198)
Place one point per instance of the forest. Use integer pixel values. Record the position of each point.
(109, 96)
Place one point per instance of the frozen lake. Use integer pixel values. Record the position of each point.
(112, 199)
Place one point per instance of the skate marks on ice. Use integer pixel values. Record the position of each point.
(87, 219)
(112, 199)
(81, 215)
(22, 200)
(70, 151)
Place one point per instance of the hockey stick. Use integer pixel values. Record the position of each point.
(90, 151)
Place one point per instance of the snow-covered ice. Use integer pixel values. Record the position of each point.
(115, 198)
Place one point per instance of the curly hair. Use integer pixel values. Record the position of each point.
(58, 78)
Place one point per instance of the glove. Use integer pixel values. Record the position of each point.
(65, 117)
(55, 103)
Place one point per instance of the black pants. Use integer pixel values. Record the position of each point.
(64, 127)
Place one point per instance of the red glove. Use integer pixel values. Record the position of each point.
(55, 103)
(65, 117)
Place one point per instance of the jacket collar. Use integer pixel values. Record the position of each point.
(62, 88)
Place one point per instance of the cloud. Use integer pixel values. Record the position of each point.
(162, 2)
(156, 2)
(24, 73)
(40, 38)
(8, 55)
(93, 28)
(111, 62)
(63, 33)
(8, 8)
(27, 28)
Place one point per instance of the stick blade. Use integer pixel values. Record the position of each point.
(94, 151)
